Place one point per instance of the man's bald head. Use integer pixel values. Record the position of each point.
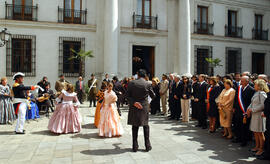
(263, 77)
(244, 80)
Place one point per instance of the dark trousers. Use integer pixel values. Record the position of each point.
(176, 110)
(267, 144)
(171, 104)
(118, 106)
(92, 101)
(194, 106)
(146, 131)
(242, 132)
(202, 116)
(80, 96)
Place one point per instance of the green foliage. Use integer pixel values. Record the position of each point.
(214, 62)
(81, 54)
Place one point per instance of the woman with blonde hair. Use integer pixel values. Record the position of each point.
(66, 118)
(155, 103)
(225, 106)
(255, 109)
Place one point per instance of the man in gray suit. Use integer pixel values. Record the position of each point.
(137, 95)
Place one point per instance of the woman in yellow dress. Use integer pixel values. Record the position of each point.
(99, 97)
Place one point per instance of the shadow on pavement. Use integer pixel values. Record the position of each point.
(89, 126)
(45, 132)
(87, 136)
(223, 149)
(7, 133)
(102, 152)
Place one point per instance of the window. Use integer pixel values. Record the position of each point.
(21, 55)
(201, 65)
(258, 60)
(22, 9)
(202, 18)
(258, 22)
(232, 21)
(72, 10)
(70, 67)
(144, 7)
(144, 18)
(233, 60)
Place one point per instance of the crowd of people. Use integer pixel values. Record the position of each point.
(239, 104)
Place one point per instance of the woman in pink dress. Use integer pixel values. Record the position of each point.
(66, 118)
(109, 124)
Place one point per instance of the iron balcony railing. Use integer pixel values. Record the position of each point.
(203, 28)
(259, 34)
(234, 31)
(147, 22)
(21, 12)
(72, 16)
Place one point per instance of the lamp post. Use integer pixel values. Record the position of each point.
(4, 37)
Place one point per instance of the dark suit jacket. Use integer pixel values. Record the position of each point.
(195, 89)
(188, 90)
(138, 91)
(171, 84)
(202, 92)
(177, 91)
(77, 86)
(267, 111)
(247, 94)
(117, 88)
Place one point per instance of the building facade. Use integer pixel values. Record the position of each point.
(160, 36)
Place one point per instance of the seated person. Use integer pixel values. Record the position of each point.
(45, 99)
(32, 112)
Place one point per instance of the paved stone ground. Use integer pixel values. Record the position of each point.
(172, 142)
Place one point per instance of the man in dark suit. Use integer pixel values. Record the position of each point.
(202, 116)
(170, 100)
(266, 113)
(79, 89)
(137, 95)
(176, 91)
(241, 127)
(119, 90)
(195, 92)
(106, 78)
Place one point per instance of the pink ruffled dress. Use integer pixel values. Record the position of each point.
(66, 118)
(109, 124)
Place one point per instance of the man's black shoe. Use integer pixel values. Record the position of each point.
(262, 157)
(204, 127)
(171, 118)
(177, 119)
(135, 149)
(149, 148)
(20, 132)
(235, 140)
(243, 144)
(198, 125)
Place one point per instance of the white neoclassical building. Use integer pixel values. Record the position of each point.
(160, 36)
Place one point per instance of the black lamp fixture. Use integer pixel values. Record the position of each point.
(4, 37)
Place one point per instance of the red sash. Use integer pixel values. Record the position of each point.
(240, 101)
(208, 97)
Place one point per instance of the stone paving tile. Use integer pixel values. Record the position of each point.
(172, 142)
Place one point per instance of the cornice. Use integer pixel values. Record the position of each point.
(240, 4)
(146, 32)
(216, 38)
(47, 25)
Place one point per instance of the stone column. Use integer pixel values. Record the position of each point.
(111, 34)
(184, 37)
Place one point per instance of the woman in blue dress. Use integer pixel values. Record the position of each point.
(33, 112)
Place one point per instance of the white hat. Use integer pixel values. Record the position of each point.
(18, 74)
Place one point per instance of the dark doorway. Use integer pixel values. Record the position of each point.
(143, 57)
(258, 63)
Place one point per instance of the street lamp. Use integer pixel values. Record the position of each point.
(4, 36)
